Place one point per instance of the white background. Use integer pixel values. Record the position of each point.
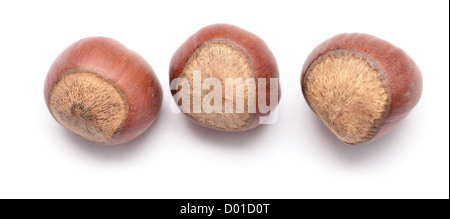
(295, 158)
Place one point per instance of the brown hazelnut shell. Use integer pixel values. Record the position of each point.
(402, 73)
(262, 59)
(120, 65)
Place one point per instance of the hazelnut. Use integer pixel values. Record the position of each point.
(219, 54)
(360, 86)
(102, 91)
